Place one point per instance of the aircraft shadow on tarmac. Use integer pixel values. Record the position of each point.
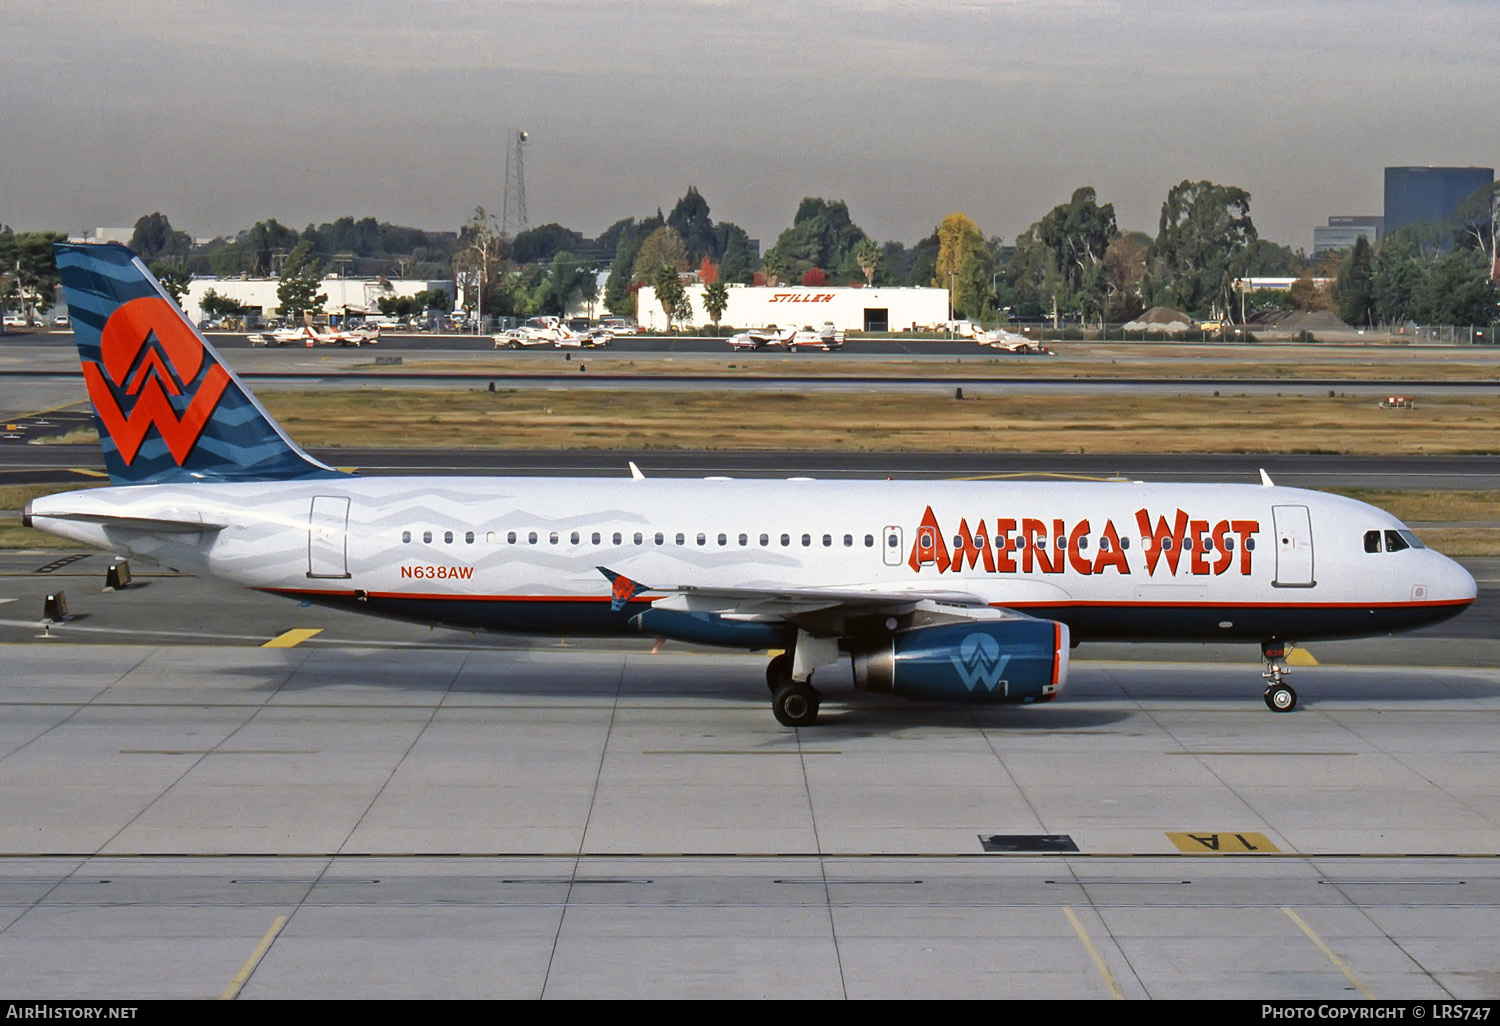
(1098, 696)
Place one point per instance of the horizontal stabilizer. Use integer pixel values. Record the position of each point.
(158, 525)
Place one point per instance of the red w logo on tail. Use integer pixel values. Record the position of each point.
(127, 335)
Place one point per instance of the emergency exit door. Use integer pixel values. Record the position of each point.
(892, 549)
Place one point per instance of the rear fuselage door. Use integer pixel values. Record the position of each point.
(1294, 547)
(328, 536)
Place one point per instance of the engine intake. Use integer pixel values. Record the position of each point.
(1020, 660)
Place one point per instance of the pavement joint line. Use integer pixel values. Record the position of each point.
(1088, 945)
(1328, 953)
(233, 990)
(733, 856)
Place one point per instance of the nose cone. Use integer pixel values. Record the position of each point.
(1450, 584)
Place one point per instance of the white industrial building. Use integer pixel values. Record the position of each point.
(346, 296)
(851, 308)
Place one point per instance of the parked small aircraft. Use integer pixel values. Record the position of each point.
(760, 338)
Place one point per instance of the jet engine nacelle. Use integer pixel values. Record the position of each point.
(1020, 660)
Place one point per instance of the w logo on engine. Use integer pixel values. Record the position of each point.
(979, 662)
(151, 373)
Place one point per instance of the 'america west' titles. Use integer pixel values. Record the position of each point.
(1031, 545)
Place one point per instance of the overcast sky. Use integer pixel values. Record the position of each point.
(220, 113)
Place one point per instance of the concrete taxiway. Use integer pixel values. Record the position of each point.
(377, 809)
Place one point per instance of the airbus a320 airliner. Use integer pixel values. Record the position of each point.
(957, 590)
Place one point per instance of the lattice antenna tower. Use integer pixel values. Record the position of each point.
(513, 219)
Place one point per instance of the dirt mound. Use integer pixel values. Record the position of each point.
(1161, 318)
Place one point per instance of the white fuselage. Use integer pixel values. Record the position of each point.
(1112, 560)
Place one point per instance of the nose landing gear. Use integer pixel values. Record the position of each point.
(1279, 694)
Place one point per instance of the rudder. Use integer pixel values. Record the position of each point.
(166, 405)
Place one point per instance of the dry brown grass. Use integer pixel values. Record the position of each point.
(884, 421)
(1072, 360)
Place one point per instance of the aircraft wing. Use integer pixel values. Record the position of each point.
(792, 600)
(825, 611)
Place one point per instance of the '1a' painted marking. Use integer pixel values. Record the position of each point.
(1208, 843)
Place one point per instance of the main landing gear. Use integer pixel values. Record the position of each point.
(1279, 694)
(793, 703)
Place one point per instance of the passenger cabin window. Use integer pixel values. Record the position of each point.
(870, 541)
(406, 537)
(469, 537)
(426, 537)
(574, 537)
(531, 538)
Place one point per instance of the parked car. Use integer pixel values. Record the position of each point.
(620, 326)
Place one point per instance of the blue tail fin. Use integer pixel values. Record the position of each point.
(167, 406)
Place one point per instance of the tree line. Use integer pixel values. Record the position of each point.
(1073, 263)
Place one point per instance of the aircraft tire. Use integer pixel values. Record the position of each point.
(779, 671)
(795, 705)
(1281, 698)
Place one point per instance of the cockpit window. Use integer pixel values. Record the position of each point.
(1412, 539)
(1372, 541)
(1394, 542)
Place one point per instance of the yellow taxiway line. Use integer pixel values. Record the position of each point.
(292, 638)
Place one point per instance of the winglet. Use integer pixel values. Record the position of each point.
(635, 474)
(622, 588)
(1265, 479)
